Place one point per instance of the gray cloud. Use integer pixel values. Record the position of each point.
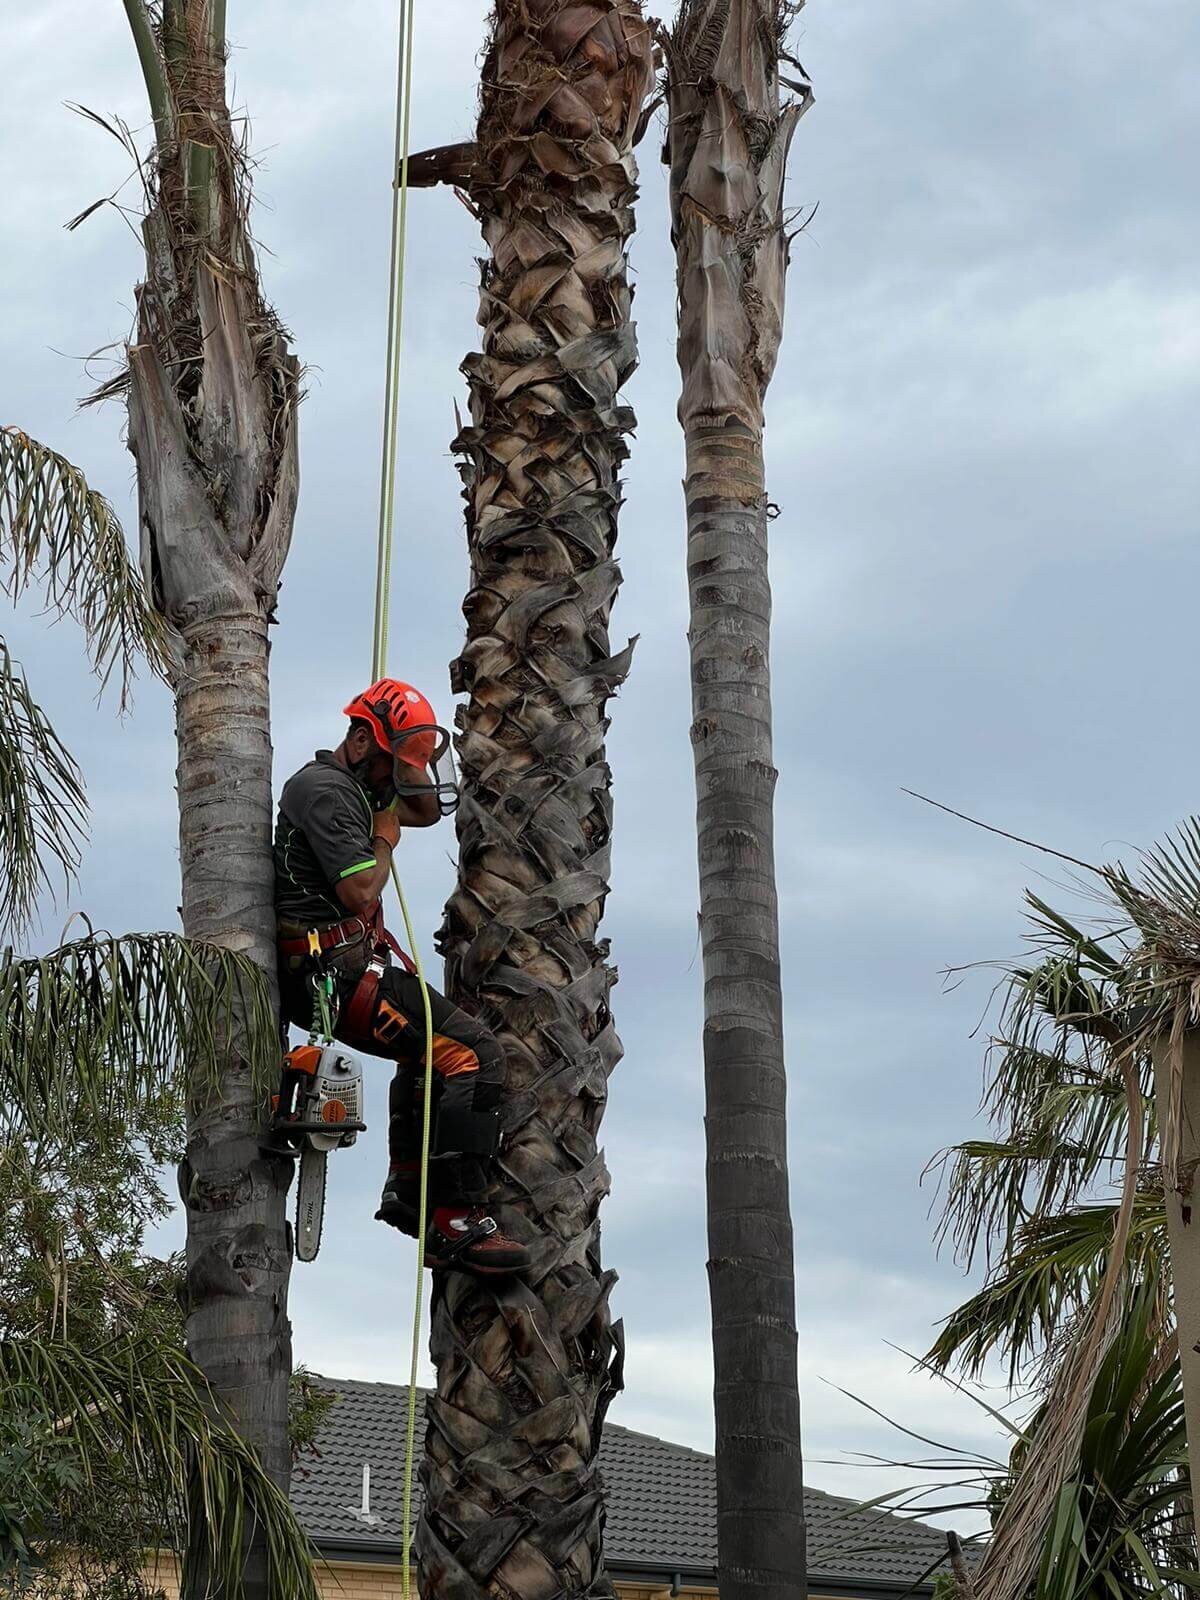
(982, 438)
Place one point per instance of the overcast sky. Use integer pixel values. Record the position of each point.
(983, 438)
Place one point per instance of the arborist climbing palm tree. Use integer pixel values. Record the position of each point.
(339, 821)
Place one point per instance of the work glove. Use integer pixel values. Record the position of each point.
(385, 825)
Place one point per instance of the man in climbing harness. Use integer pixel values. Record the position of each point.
(339, 821)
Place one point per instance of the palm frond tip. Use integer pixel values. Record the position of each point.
(108, 1020)
(43, 810)
(53, 525)
(151, 1409)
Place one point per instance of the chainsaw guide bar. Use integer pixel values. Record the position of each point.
(310, 1202)
(318, 1109)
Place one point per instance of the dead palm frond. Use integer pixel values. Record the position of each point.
(43, 810)
(107, 1021)
(1118, 1524)
(57, 529)
(148, 1408)
(1019, 1532)
(1072, 1097)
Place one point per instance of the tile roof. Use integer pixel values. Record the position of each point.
(661, 1503)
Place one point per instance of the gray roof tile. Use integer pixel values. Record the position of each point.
(661, 1501)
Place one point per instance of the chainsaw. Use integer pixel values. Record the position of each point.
(318, 1109)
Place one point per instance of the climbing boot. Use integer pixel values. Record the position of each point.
(469, 1239)
(400, 1203)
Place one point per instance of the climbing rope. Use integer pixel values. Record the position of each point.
(383, 579)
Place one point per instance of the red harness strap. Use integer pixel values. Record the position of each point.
(351, 931)
(401, 955)
(359, 1010)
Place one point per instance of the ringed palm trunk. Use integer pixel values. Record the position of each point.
(212, 426)
(727, 151)
(526, 1369)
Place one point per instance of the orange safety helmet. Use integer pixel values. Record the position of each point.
(403, 721)
(389, 708)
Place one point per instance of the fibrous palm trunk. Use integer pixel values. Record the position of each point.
(526, 1369)
(212, 425)
(1182, 1056)
(727, 151)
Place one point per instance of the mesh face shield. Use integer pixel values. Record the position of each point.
(423, 759)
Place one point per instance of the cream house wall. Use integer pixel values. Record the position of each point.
(359, 1580)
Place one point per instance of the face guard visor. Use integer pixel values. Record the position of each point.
(423, 759)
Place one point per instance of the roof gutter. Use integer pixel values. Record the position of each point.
(822, 1585)
(669, 1576)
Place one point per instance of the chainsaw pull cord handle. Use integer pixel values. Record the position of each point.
(383, 571)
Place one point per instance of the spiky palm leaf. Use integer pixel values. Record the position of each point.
(1044, 1283)
(148, 1407)
(1118, 1525)
(1059, 1104)
(108, 1021)
(43, 809)
(56, 528)
(1073, 1096)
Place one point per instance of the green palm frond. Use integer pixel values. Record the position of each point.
(148, 1408)
(1120, 1525)
(107, 1022)
(1062, 1130)
(1043, 1285)
(1171, 871)
(1070, 1097)
(1053, 1095)
(53, 526)
(43, 810)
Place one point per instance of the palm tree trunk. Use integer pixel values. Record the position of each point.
(212, 425)
(526, 1369)
(1183, 1218)
(727, 150)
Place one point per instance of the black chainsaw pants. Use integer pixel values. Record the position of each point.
(468, 1081)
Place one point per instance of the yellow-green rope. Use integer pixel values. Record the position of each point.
(383, 578)
(391, 390)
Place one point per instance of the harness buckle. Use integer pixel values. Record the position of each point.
(483, 1228)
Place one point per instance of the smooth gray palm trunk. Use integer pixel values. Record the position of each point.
(238, 1256)
(238, 1249)
(727, 150)
(213, 392)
